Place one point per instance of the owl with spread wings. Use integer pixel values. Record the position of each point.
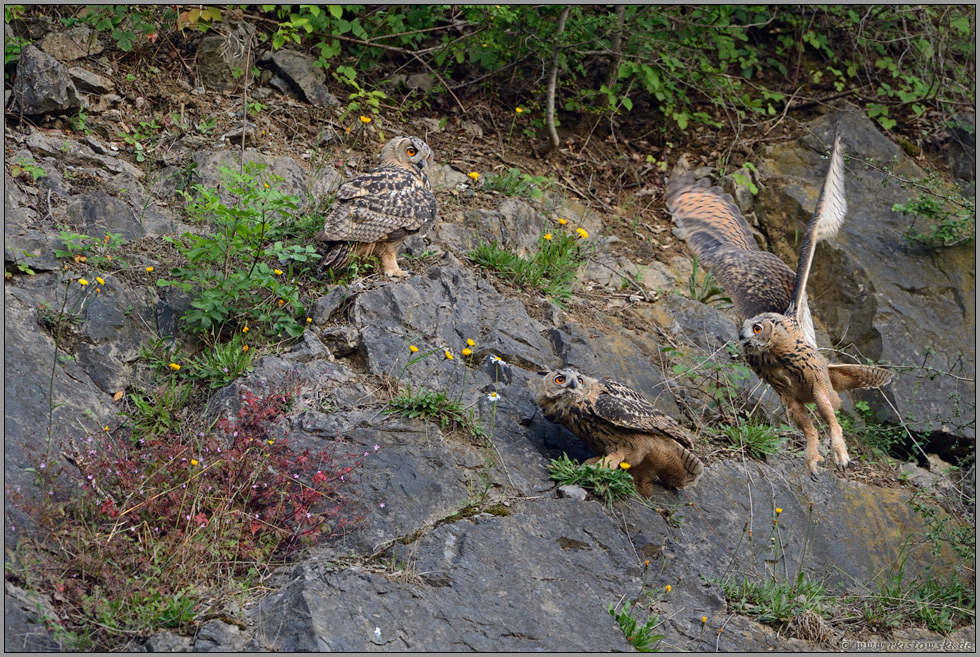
(777, 335)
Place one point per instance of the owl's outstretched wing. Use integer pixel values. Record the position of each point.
(827, 219)
(757, 281)
(624, 407)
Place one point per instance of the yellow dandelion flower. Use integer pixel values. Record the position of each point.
(624, 465)
(519, 110)
(149, 270)
(107, 427)
(193, 461)
(100, 280)
(244, 329)
(108, 258)
(547, 236)
(562, 221)
(267, 185)
(281, 302)
(470, 342)
(413, 349)
(277, 272)
(365, 120)
(582, 233)
(309, 319)
(174, 366)
(473, 174)
(449, 355)
(245, 347)
(272, 442)
(667, 588)
(82, 281)
(704, 619)
(646, 563)
(98, 289)
(466, 352)
(82, 258)
(778, 510)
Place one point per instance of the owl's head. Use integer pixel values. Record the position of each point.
(566, 382)
(407, 152)
(758, 332)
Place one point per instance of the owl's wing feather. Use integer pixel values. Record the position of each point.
(827, 219)
(846, 376)
(624, 407)
(757, 281)
(377, 204)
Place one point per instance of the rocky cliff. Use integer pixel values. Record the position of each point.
(465, 542)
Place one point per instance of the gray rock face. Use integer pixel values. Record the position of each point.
(224, 56)
(298, 76)
(74, 43)
(43, 85)
(874, 293)
(465, 543)
(963, 147)
(88, 82)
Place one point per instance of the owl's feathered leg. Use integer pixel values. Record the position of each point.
(608, 461)
(825, 406)
(799, 417)
(389, 262)
(639, 467)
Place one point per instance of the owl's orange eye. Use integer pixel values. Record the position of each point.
(757, 328)
(581, 381)
(560, 379)
(411, 150)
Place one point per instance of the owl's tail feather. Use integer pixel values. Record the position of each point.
(334, 255)
(675, 465)
(845, 376)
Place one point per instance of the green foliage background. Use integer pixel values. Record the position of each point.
(694, 64)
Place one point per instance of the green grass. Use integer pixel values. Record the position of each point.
(756, 439)
(550, 269)
(642, 637)
(607, 484)
(514, 182)
(435, 406)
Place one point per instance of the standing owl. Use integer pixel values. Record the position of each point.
(777, 335)
(374, 213)
(621, 426)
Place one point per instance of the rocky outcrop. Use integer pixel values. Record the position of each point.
(43, 85)
(465, 543)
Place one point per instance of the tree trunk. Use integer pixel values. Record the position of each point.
(552, 144)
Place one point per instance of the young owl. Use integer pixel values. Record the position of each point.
(777, 337)
(620, 426)
(374, 213)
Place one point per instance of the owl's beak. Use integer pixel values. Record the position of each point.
(573, 384)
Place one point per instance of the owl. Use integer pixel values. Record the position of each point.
(374, 213)
(777, 335)
(620, 426)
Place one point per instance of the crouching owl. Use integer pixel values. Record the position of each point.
(620, 426)
(374, 213)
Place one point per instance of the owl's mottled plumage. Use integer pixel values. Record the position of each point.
(374, 213)
(620, 425)
(777, 336)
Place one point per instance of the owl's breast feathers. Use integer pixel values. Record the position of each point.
(791, 365)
